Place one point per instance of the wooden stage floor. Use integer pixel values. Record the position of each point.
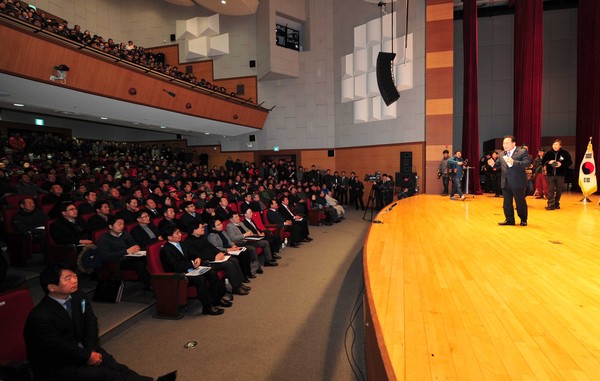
(455, 296)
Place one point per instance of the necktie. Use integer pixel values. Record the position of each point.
(67, 305)
(178, 246)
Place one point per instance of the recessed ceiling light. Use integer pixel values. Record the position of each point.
(163, 127)
(223, 2)
(19, 104)
(103, 118)
(207, 133)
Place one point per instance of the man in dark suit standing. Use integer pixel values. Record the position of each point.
(513, 162)
(61, 334)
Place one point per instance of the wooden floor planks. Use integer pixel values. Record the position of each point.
(457, 297)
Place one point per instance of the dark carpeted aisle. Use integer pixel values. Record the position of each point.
(291, 327)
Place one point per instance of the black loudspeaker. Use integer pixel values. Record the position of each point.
(240, 89)
(178, 136)
(252, 63)
(405, 162)
(330, 153)
(252, 138)
(189, 69)
(173, 38)
(385, 79)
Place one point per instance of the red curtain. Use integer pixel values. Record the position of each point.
(470, 135)
(528, 64)
(588, 80)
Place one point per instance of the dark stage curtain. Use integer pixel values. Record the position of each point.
(470, 135)
(588, 81)
(528, 64)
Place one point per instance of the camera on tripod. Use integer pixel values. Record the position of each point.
(373, 177)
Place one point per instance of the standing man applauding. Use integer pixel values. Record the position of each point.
(513, 162)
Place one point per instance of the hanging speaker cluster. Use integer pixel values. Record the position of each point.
(385, 77)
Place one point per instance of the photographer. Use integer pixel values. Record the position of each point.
(386, 191)
(443, 171)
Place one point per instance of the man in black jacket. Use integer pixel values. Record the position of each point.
(557, 162)
(61, 334)
(175, 258)
(70, 229)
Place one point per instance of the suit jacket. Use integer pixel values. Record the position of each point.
(288, 215)
(515, 176)
(251, 226)
(222, 214)
(236, 233)
(63, 231)
(186, 219)
(128, 216)
(53, 338)
(96, 222)
(172, 259)
(275, 217)
(141, 237)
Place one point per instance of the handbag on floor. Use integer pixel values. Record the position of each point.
(109, 291)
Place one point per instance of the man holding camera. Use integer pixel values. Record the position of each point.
(557, 162)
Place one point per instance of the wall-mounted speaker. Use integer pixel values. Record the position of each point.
(252, 138)
(252, 63)
(385, 79)
(173, 37)
(405, 162)
(330, 153)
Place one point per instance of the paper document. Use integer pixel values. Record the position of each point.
(141, 253)
(222, 260)
(197, 272)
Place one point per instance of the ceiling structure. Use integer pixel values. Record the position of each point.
(224, 7)
(56, 101)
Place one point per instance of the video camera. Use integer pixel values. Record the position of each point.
(373, 177)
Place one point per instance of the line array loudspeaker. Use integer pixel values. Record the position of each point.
(385, 78)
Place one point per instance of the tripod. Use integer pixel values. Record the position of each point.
(370, 204)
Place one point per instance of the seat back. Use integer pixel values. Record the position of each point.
(15, 306)
(8, 215)
(153, 257)
(96, 234)
(13, 200)
(258, 220)
(233, 207)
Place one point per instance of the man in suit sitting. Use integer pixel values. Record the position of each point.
(513, 180)
(128, 213)
(145, 232)
(68, 228)
(288, 214)
(99, 220)
(175, 258)
(61, 334)
(275, 217)
(189, 215)
(274, 240)
(222, 213)
(238, 233)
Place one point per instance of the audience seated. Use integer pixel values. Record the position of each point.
(145, 232)
(69, 228)
(99, 221)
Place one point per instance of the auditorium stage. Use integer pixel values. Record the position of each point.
(454, 296)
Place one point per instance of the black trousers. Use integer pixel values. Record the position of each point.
(232, 269)
(208, 296)
(108, 370)
(518, 194)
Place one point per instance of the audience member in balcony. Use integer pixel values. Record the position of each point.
(69, 228)
(27, 187)
(145, 232)
(176, 258)
(30, 219)
(116, 244)
(99, 221)
(198, 246)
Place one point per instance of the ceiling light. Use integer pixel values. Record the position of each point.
(163, 127)
(19, 104)
(223, 2)
(207, 133)
(103, 118)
